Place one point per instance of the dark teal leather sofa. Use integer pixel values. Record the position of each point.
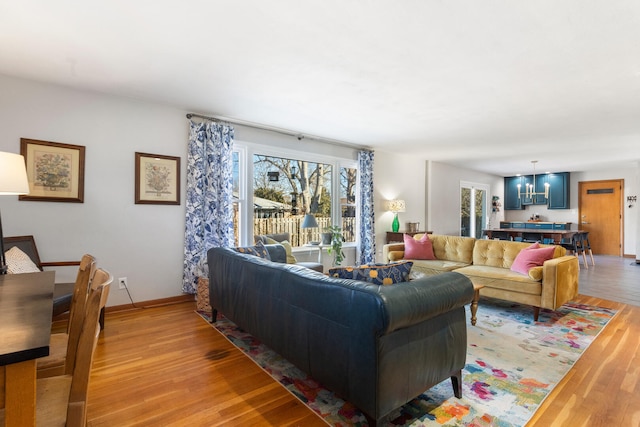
(377, 347)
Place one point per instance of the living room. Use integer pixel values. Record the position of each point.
(135, 240)
(145, 243)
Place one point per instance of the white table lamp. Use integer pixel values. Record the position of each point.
(13, 181)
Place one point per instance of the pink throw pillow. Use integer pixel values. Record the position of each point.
(418, 249)
(530, 257)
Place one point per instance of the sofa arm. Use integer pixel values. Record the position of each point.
(410, 303)
(559, 281)
(388, 252)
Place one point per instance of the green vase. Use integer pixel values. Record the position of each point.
(395, 225)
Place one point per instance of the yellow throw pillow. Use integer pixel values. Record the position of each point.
(396, 255)
(287, 248)
(536, 273)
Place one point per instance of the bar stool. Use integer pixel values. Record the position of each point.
(580, 249)
(586, 246)
(573, 245)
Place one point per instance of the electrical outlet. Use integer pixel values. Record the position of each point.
(122, 283)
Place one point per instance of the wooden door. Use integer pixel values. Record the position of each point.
(600, 213)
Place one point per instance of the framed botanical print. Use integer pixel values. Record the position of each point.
(157, 179)
(55, 171)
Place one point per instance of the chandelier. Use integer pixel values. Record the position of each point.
(530, 188)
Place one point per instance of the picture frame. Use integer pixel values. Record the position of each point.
(157, 179)
(55, 171)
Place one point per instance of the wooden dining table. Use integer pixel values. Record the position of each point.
(26, 305)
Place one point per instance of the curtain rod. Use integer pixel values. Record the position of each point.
(287, 132)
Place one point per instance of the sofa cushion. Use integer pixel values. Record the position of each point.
(453, 248)
(530, 257)
(418, 248)
(378, 274)
(436, 266)
(291, 259)
(258, 250)
(501, 278)
(278, 237)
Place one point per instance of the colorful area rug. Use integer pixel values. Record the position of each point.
(513, 363)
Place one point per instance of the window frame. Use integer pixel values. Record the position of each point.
(246, 152)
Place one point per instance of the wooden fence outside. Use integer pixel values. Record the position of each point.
(300, 236)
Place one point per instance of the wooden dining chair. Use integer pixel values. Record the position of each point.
(63, 345)
(63, 292)
(62, 400)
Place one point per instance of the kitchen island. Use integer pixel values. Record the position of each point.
(533, 231)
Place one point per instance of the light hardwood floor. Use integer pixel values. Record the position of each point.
(165, 366)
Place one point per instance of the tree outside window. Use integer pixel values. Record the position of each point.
(287, 189)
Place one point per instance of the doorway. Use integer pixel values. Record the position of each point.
(600, 213)
(473, 209)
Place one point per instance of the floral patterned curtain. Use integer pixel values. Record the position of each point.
(367, 233)
(209, 199)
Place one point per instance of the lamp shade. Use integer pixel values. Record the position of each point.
(309, 221)
(13, 174)
(395, 205)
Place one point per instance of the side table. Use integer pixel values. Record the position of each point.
(474, 303)
(397, 236)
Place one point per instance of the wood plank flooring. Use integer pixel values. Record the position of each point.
(165, 366)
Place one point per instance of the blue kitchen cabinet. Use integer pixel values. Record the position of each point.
(511, 199)
(559, 190)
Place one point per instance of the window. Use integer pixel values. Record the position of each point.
(348, 208)
(286, 189)
(287, 185)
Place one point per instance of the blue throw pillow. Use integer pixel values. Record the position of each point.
(378, 274)
(258, 250)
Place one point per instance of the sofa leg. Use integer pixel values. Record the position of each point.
(456, 382)
(536, 313)
(371, 422)
(214, 315)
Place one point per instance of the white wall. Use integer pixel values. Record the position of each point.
(397, 176)
(141, 242)
(631, 215)
(443, 188)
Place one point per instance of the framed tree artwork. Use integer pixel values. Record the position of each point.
(157, 179)
(55, 171)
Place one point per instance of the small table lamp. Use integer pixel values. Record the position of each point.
(309, 221)
(13, 181)
(395, 206)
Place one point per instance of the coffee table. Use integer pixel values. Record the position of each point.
(474, 302)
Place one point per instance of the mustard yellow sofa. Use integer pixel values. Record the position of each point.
(488, 263)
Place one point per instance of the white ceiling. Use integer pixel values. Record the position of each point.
(489, 85)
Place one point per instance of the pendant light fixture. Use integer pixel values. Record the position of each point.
(530, 190)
